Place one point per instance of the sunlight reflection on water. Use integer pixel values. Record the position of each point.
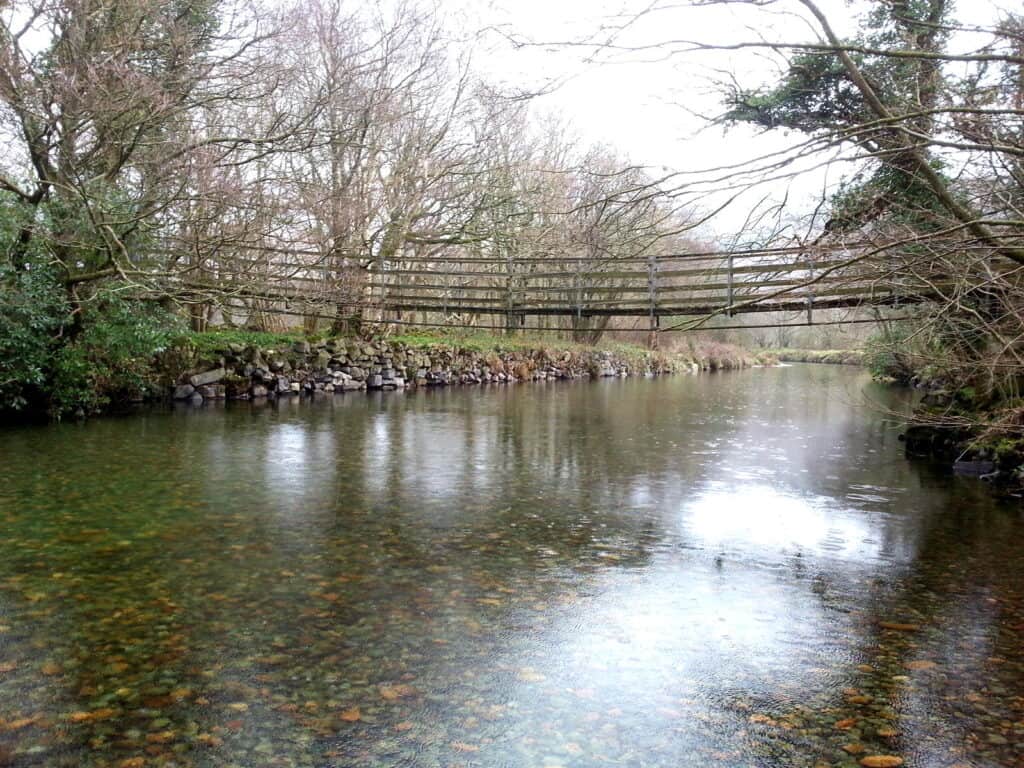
(758, 517)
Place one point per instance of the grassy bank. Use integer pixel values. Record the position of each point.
(826, 356)
(971, 413)
(122, 365)
(706, 355)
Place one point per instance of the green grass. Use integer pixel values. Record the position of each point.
(219, 339)
(710, 355)
(482, 342)
(830, 356)
(215, 341)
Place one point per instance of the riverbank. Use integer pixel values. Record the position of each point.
(825, 356)
(950, 425)
(976, 437)
(240, 366)
(970, 423)
(107, 373)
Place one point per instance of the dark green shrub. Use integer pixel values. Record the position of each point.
(111, 358)
(33, 308)
(887, 355)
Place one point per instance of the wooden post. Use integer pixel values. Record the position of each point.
(509, 299)
(729, 298)
(383, 286)
(652, 301)
(895, 289)
(579, 297)
(810, 296)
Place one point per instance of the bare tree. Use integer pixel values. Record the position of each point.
(108, 108)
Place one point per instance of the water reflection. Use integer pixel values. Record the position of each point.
(759, 518)
(683, 571)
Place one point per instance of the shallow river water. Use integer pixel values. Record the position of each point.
(729, 570)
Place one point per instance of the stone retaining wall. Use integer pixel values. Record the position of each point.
(343, 365)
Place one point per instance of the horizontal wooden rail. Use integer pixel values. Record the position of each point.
(592, 290)
(669, 285)
(671, 311)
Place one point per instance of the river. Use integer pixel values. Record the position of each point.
(725, 569)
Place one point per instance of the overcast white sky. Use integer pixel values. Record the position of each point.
(642, 103)
(644, 107)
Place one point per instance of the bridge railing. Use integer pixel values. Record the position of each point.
(644, 285)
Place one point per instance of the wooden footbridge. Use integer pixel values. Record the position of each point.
(535, 291)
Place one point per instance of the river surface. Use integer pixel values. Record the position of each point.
(728, 570)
